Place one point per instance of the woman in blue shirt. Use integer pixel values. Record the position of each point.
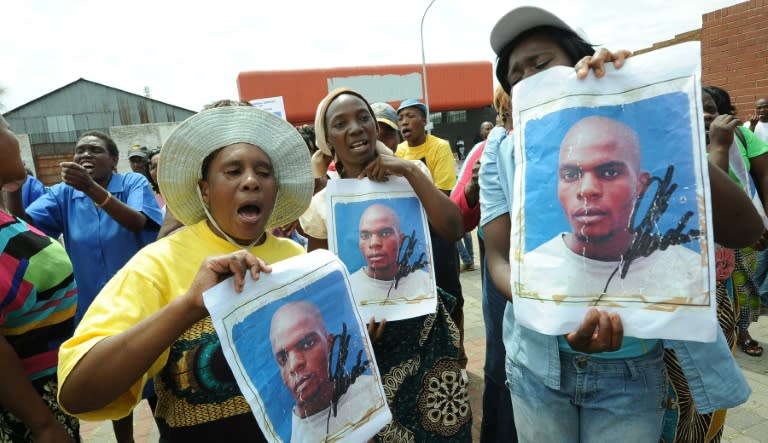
(104, 217)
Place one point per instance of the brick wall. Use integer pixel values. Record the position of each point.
(734, 52)
(694, 35)
(734, 46)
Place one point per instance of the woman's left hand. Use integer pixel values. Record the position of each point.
(383, 165)
(597, 62)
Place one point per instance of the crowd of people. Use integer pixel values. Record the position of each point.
(103, 273)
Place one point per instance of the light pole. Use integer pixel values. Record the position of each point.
(424, 68)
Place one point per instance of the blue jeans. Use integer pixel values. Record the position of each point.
(465, 249)
(497, 424)
(599, 400)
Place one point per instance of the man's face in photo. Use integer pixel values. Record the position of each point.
(379, 241)
(300, 346)
(599, 178)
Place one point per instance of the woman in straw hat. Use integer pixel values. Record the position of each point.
(575, 387)
(409, 352)
(228, 174)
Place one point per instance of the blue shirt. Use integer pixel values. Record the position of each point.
(705, 365)
(97, 244)
(31, 190)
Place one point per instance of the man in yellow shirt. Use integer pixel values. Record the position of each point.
(418, 145)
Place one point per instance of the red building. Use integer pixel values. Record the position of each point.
(451, 86)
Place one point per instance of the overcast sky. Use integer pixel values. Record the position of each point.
(189, 53)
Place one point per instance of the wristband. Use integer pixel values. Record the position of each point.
(106, 200)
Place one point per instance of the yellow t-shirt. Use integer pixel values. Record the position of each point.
(436, 152)
(156, 275)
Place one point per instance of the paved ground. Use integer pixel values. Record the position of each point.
(745, 424)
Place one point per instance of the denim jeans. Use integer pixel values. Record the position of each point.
(497, 424)
(465, 249)
(600, 400)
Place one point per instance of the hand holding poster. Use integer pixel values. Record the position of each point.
(611, 199)
(300, 352)
(380, 231)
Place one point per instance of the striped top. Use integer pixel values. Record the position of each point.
(38, 295)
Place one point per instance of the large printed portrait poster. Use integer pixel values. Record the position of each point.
(611, 199)
(380, 232)
(300, 352)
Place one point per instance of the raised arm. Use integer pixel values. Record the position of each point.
(735, 221)
(466, 194)
(78, 177)
(721, 139)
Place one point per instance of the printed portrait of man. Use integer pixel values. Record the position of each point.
(383, 277)
(325, 406)
(604, 257)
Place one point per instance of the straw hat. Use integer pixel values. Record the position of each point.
(204, 133)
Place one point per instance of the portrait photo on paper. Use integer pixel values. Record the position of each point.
(308, 357)
(384, 244)
(613, 206)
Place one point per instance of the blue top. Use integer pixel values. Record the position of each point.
(705, 365)
(96, 243)
(31, 190)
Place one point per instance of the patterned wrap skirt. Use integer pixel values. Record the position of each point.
(423, 379)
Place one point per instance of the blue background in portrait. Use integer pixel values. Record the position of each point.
(251, 341)
(663, 126)
(348, 227)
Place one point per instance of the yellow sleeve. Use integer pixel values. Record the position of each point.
(129, 297)
(443, 166)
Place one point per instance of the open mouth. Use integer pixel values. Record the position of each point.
(359, 145)
(249, 213)
(88, 165)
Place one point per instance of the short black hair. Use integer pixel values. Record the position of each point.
(722, 99)
(307, 132)
(574, 47)
(111, 145)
